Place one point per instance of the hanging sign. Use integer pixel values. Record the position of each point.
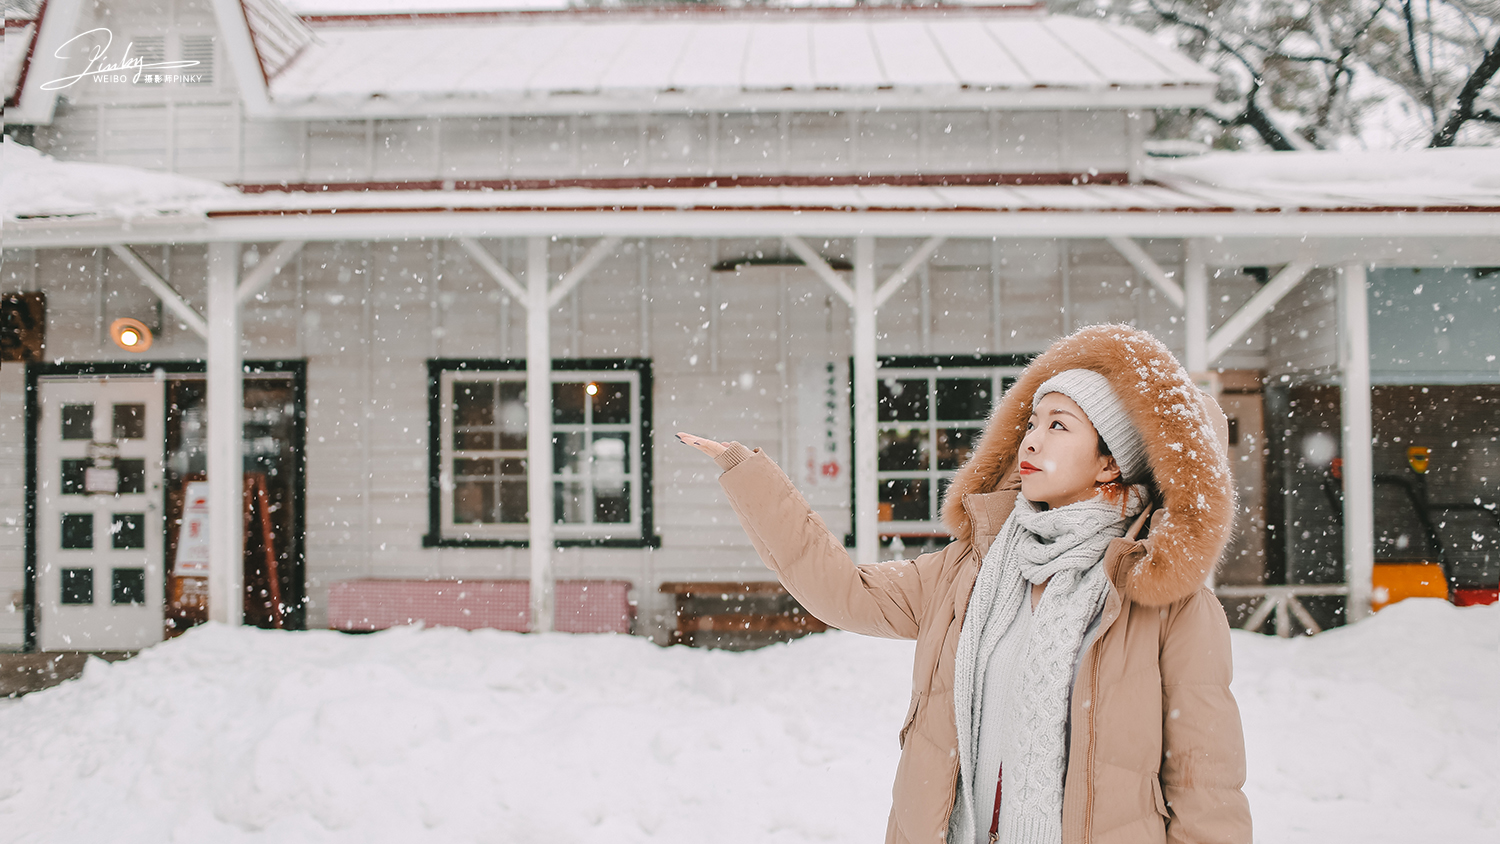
(821, 462)
(192, 540)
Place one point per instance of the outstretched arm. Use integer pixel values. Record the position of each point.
(884, 599)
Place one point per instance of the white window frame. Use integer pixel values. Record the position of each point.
(932, 474)
(518, 532)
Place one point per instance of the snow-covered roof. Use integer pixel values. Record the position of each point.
(1425, 178)
(34, 184)
(581, 61)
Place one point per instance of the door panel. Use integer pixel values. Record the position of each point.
(99, 528)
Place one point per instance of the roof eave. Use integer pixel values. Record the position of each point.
(703, 101)
(406, 224)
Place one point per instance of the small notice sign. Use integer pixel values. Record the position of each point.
(822, 458)
(192, 542)
(100, 480)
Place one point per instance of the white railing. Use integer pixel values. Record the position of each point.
(1283, 601)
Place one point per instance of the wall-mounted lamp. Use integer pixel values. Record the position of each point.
(132, 335)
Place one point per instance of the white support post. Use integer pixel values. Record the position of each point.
(1359, 461)
(1195, 313)
(539, 299)
(226, 466)
(866, 491)
(539, 432)
(1195, 306)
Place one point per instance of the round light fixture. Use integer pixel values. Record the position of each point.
(132, 335)
(592, 389)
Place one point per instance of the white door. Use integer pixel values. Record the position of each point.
(99, 530)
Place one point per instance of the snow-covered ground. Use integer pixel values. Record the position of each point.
(1382, 732)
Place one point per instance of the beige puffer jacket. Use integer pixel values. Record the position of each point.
(1156, 752)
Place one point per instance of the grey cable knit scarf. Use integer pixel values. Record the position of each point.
(1067, 545)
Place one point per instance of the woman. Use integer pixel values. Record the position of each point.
(1072, 671)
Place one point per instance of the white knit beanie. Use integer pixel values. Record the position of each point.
(1092, 393)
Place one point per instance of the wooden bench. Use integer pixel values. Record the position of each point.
(737, 614)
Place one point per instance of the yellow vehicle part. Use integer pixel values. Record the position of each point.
(1394, 582)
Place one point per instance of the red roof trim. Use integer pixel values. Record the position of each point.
(12, 99)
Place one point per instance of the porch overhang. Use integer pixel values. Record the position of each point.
(638, 220)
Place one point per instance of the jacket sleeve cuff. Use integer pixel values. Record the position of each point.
(732, 456)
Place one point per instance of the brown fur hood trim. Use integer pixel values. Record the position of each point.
(1186, 436)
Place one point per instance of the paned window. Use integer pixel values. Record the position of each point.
(600, 426)
(929, 418)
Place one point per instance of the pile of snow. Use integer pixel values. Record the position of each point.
(1382, 732)
(33, 183)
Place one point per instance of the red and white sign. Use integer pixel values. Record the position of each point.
(192, 541)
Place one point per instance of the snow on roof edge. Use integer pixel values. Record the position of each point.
(33, 183)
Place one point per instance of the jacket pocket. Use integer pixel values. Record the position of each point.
(911, 718)
(1161, 802)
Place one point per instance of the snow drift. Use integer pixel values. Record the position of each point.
(1381, 732)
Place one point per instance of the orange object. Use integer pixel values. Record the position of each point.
(1419, 456)
(1394, 582)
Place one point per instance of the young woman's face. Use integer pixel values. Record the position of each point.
(1060, 459)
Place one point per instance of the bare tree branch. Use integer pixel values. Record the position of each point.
(1341, 69)
(1464, 110)
(1253, 115)
(1424, 83)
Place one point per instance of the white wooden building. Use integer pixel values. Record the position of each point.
(831, 233)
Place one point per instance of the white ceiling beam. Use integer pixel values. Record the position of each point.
(1479, 229)
(1149, 268)
(1256, 307)
(812, 259)
(601, 250)
(500, 274)
(261, 274)
(909, 266)
(164, 291)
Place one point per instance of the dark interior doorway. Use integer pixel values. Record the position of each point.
(274, 431)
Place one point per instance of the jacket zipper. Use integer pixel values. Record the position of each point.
(1094, 708)
(1088, 773)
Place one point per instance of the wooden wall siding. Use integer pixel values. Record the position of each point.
(210, 138)
(724, 346)
(1302, 332)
